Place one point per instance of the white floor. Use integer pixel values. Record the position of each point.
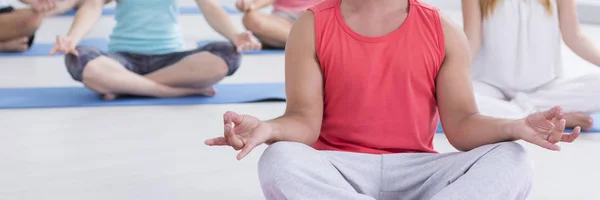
(157, 152)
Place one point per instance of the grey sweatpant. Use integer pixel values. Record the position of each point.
(293, 171)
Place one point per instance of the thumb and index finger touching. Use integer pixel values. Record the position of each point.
(556, 115)
(555, 112)
(229, 120)
(233, 117)
(232, 138)
(246, 145)
(557, 134)
(64, 45)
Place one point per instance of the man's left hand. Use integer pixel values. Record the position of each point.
(546, 129)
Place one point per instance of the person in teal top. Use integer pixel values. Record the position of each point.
(146, 27)
(146, 56)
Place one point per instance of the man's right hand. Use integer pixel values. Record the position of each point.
(65, 45)
(242, 132)
(545, 129)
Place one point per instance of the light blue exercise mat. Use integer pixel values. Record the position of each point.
(43, 49)
(60, 97)
(186, 10)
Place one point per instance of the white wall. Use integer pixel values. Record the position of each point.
(445, 4)
(589, 11)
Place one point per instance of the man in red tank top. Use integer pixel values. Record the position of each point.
(365, 83)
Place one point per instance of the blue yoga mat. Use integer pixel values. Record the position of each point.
(20, 98)
(43, 49)
(182, 10)
(254, 52)
(595, 128)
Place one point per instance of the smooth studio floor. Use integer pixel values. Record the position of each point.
(158, 152)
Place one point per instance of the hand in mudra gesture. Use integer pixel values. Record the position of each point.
(546, 129)
(242, 132)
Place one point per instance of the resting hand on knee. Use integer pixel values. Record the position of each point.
(65, 45)
(245, 41)
(242, 132)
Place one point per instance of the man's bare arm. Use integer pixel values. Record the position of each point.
(304, 86)
(302, 119)
(463, 125)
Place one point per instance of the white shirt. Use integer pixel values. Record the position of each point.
(521, 48)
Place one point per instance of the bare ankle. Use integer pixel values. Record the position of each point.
(164, 91)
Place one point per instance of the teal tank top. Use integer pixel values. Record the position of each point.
(147, 27)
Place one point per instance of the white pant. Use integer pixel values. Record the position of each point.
(580, 94)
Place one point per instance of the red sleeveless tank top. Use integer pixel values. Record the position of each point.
(379, 92)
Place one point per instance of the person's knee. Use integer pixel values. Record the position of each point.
(279, 153)
(515, 160)
(228, 53)
(88, 61)
(252, 22)
(31, 24)
(27, 22)
(95, 64)
(279, 160)
(219, 65)
(513, 152)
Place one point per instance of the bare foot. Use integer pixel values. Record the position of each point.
(176, 92)
(16, 45)
(182, 91)
(575, 119)
(109, 97)
(209, 91)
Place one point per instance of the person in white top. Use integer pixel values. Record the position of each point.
(17, 26)
(516, 52)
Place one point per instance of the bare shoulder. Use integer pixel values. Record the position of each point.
(302, 34)
(454, 37)
(304, 24)
(303, 78)
(451, 28)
